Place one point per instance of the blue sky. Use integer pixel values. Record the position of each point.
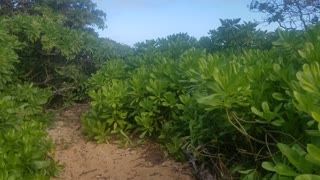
(131, 21)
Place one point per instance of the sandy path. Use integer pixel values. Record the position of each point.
(88, 161)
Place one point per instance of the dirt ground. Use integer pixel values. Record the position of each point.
(86, 160)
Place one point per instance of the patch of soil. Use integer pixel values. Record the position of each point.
(86, 160)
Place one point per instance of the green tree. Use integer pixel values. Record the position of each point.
(205, 42)
(233, 35)
(289, 14)
(171, 46)
(60, 48)
(76, 14)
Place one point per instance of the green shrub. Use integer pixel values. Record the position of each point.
(24, 146)
(246, 107)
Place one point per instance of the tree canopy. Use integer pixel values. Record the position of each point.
(75, 14)
(289, 14)
(235, 35)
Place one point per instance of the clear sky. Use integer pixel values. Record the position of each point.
(131, 21)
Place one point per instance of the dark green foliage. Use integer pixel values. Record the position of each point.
(54, 56)
(24, 146)
(45, 52)
(232, 35)
(74, 14)
(55, 46)
(172, 46)
(8, 57)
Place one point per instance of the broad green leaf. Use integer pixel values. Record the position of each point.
(185, 99)
(265, 107)
(279, 96)
(307, 177)
(13, 177)
(313, 150)
(299, 150)
(143, 134)
(314, 133)
(213, 101)
(115, 125)
(313, 160)
(285, 170)
(268, 166)
(276, 67)
(314, 154)
(309, 78)
(302, 54)
(246, 171)
(305, 102)
(278, 122)
(3, 174)
(316, 116)
(256, 111)
(253, 175)
(124, 134)
(299, 162)
(40, 164)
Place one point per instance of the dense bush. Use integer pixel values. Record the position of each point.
(244, 107)
(223, 110)
(24, 147)
(45, 57)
